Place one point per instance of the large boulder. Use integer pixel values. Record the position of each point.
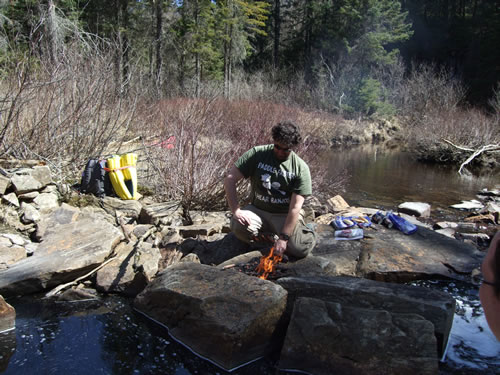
(333, 338)
(435, 306)
(66, 252)
(223, 315)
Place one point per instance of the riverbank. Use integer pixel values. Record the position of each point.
(157, 246)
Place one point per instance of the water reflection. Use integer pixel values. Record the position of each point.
(101, 337)
(384, 178)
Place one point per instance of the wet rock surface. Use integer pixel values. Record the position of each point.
(332, 338)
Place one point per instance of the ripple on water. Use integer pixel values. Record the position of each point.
(472, 347)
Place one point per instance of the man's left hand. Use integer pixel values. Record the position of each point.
(280, 247)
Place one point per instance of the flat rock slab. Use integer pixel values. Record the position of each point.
(326, 338)
(435, 306)
(390, 255)
(65, 254)
(222, 315)
(343, 255)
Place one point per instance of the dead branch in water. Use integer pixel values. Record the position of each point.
(475, 153)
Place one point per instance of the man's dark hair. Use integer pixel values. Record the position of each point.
(286, 133)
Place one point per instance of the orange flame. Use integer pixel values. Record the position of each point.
(267, 264)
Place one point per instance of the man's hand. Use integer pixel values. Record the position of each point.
(242, 217)
(280, 247)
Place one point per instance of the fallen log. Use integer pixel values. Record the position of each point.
(475, 153)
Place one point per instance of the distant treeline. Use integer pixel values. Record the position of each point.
(340, 55)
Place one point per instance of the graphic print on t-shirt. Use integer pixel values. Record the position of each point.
(271, 186)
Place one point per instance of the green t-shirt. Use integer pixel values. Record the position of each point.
(273, 181)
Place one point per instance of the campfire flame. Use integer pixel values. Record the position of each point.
(267, 264)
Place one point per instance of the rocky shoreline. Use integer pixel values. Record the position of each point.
(192, 278)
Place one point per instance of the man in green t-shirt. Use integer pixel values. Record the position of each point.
(280, 180)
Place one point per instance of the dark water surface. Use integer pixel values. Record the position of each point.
(108, 337)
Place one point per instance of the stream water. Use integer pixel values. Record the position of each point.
(108, 337)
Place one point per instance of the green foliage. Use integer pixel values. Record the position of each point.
(369, 99)
(379, 24)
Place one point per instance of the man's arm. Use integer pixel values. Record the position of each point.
(296, 203)
(230, 183)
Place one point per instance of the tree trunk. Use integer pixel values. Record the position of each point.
(308, 42)
(158, 39)
(228, 50)
(277, 32)
(197, 54)
(51, 30)
(125, 45)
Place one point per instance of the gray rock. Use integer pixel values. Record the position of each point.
(130, 272)
(25, 183)
(129, 208)
(29, 214)
(478, 238)
(215, 252)
(10, 218)
(50, 222)
(46, 202)
(51, 189)
(190, 258)
(70, 251)
(435, 306)
(337, 204)
(223, 315)
(42, 174)
(11, 199)
(4, 184)
(309, 266)
(78, 294)
(468, 205)
(445, 225)
(193, 231)
(141, 229)
(7, 316)
(343, 254)
(448, 232)
(15, 239)
(203, 217)
(418, 209)
(28, 196)
(390, 255)
(167, 213)
(333, 338)
(10, 255)
(490, 208)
